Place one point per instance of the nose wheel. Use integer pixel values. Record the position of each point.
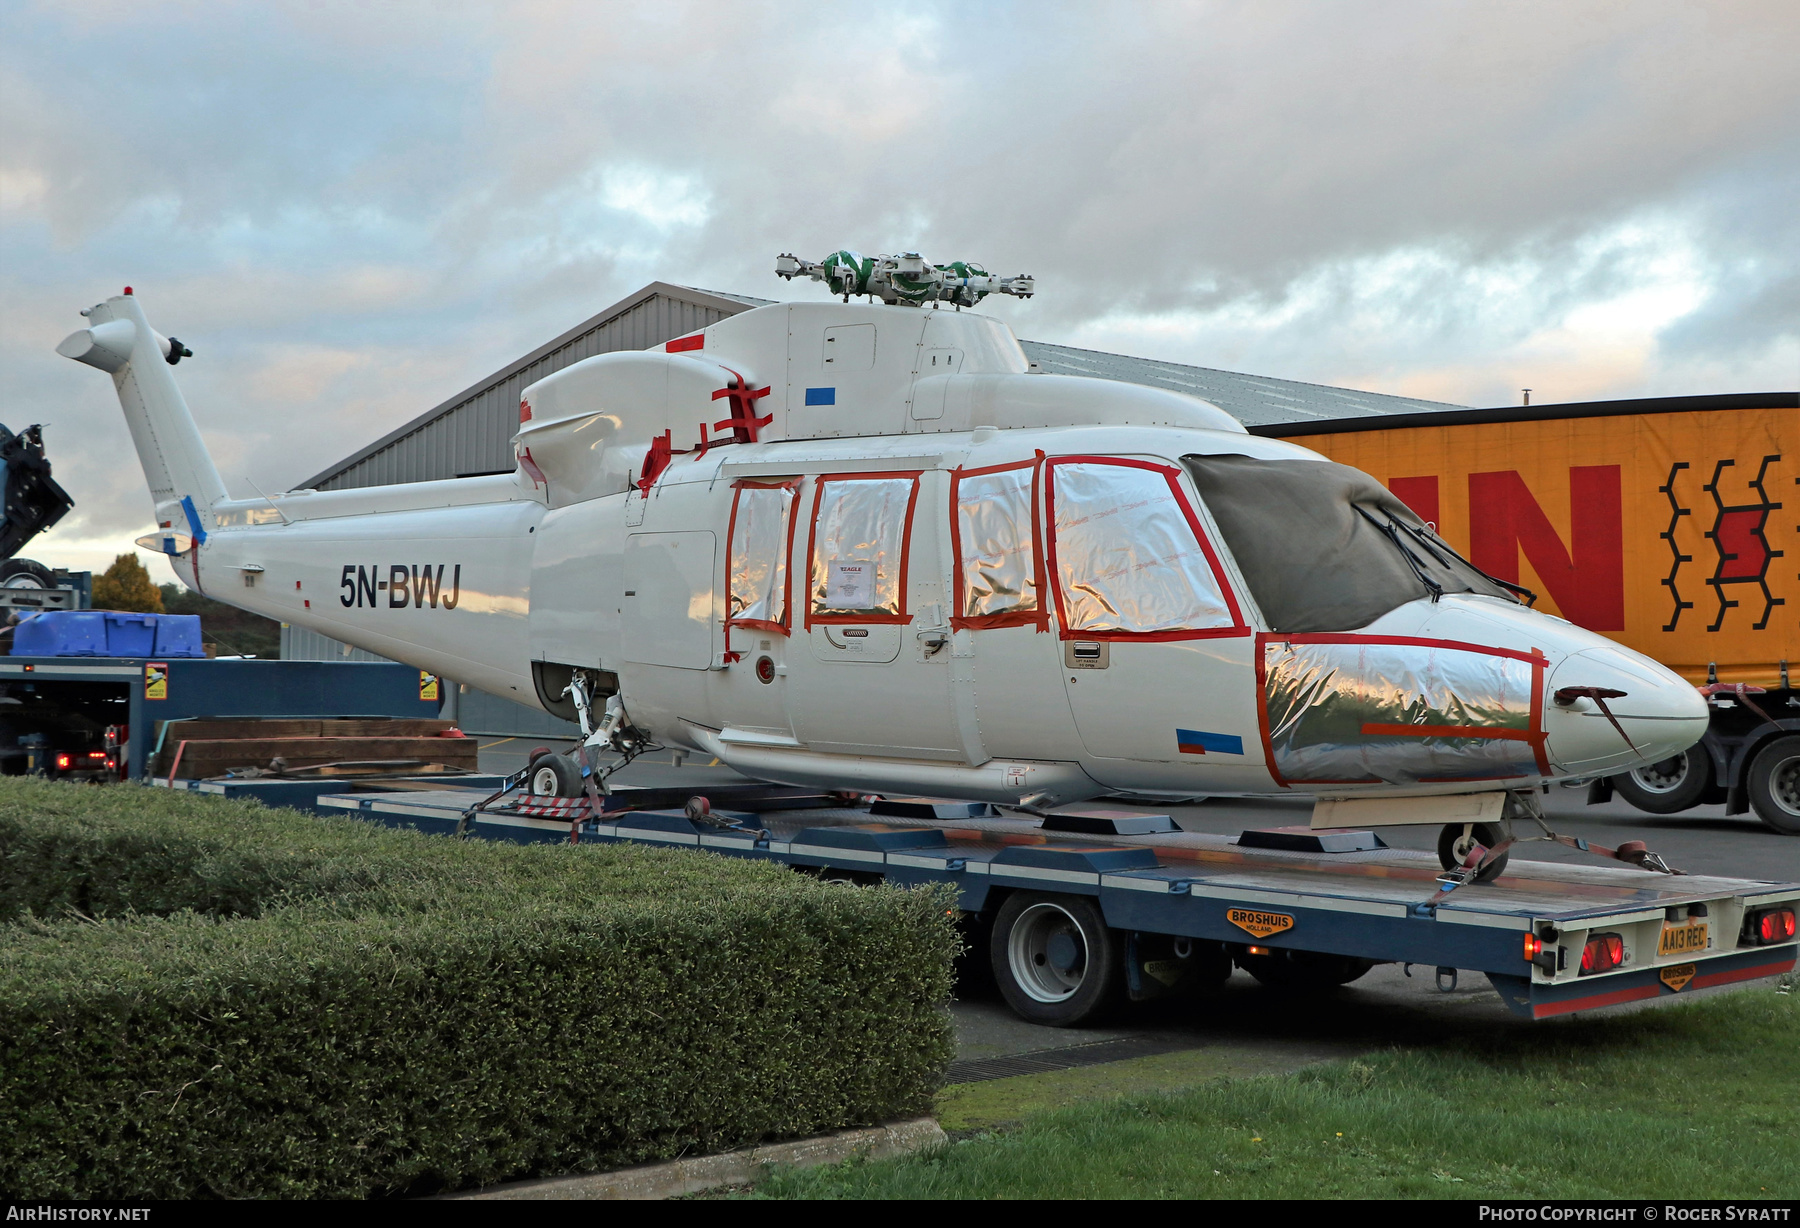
(1458, 840)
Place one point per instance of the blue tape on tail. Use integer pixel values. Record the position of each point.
(193, 519)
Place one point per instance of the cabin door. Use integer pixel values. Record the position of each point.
(1156, 652)
(869, 673)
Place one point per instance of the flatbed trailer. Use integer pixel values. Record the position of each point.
(1170, 911)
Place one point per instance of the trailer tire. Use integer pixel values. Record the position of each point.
(1303, 971)
(1055, 960)
(555, 775)
(1668, 786)
(1773, 783)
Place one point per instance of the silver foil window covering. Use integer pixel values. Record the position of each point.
(758, 553)
(858, 541)
(1126, 557)
(1368, 713)
(998, 554)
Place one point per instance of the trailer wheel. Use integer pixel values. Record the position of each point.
(1670, 785)
(1303, 971)
(1457, 839)
(555, 775)
(1054, 958)
(1774, 785)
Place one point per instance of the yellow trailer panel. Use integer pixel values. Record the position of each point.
(1674, 531)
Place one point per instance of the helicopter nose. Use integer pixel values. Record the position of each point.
(1610, 709)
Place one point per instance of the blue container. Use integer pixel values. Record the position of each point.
(178, 635)
(61, 633)
(130, 635)
(108, 633)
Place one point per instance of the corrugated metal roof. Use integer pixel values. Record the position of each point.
(1254, 400)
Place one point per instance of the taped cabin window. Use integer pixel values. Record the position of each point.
(858, 552)
(999, 562)
(756, 558)
(1128, 555)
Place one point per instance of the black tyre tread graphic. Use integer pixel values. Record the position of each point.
(1100, 989)
(1676, 512)
(1693, 790)
(1759, 782)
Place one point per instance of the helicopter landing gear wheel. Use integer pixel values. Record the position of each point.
(1054, 958)
(555, 775)
(1457, 840)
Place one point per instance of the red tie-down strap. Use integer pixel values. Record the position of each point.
(1740, 691)
(743, 422)
(1599, 694)
(655, 461)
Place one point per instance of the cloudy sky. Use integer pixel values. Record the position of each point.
(352, 211)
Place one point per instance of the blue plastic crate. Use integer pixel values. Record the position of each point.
(108, 633)
(131, 635)
(178, 635)
(61, 633)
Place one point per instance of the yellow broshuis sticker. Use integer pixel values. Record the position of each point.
(1259, 924)
(1677, 976)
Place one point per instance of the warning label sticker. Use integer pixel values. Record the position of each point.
(1259, 924)
(1677, 976)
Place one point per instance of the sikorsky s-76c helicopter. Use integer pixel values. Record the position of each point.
(867, 548)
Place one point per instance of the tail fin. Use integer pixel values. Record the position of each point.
(118, 340)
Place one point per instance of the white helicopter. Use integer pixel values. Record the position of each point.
(867, 548)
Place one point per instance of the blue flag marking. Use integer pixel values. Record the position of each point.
(1197, 742)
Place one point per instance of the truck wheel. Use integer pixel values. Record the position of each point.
(1670, 785)
(25, 573)
(1455, 841)
(1055, 960)
(1774, 785)
(555, 775)
(1303, 971)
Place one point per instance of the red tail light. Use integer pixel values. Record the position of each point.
(1776, 925)
(1603, 953)
(63, 761)
(96, 754)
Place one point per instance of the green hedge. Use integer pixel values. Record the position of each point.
(200, 998)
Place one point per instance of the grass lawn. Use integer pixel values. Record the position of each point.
(1698, 1100)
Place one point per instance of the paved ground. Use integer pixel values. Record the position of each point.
(1247, 1022)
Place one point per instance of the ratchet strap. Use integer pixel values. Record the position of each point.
(1740, 691)
(1599, 694)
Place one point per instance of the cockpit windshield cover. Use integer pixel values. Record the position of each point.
(1325, 547)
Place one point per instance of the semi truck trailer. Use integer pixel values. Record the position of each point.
(1669, 524)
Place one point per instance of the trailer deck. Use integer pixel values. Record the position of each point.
(1675, 932)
